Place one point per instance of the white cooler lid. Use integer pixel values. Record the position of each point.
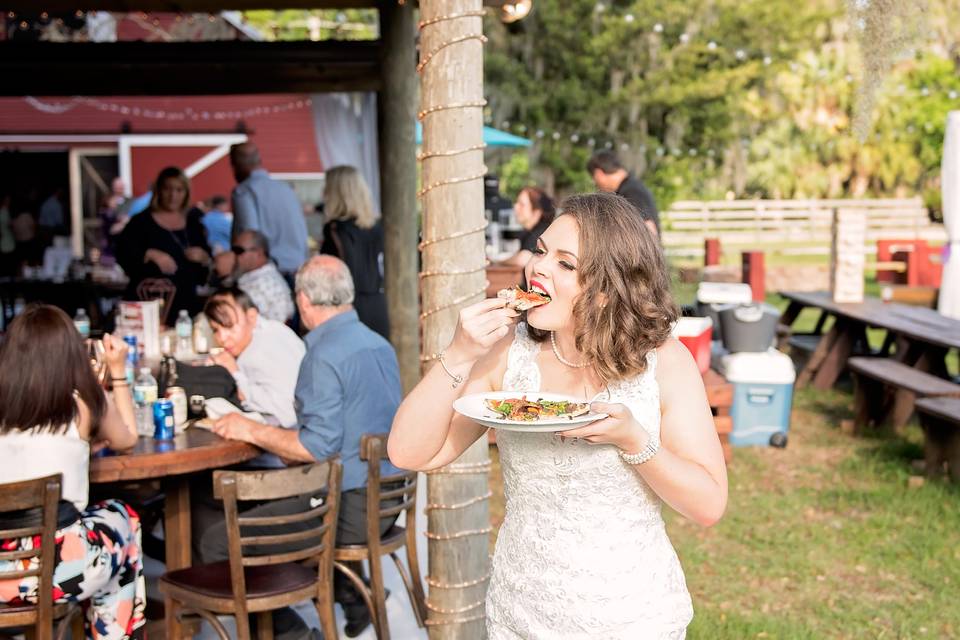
(770, 367)
(690, 326)
(724, 292)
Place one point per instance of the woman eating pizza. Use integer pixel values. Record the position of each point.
(582, 552)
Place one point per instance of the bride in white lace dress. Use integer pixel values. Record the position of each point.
(582, 552)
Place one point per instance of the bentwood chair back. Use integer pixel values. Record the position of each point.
(34, 503)
(387, 496)
(265, 570)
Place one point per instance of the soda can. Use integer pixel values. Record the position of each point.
(163, 421)
(179, 398)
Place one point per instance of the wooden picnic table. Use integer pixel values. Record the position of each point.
(922, 336)
(172, 462)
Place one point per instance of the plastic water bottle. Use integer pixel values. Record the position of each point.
(145, 392)
(184, 328)
(82, 322)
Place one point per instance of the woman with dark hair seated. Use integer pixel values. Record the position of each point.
(167, 242)
(534, 210)
(52, 409)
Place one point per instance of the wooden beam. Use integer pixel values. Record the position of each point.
(181, 6)
(187, 68)
(397, 106)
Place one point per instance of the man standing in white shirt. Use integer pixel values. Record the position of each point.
(259, 277)
(263, 355)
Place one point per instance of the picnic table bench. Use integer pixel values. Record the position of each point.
(886, 390)
(940, 419)
(921, 336)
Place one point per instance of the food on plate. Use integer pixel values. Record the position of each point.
(522, 300)
(532, 410)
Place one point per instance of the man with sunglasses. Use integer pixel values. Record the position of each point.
(259, 278)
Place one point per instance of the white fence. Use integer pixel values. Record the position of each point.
(795, 227)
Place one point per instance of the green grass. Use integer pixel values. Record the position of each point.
(825, 539)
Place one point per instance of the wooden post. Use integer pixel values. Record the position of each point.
(451, 111)
(711, 252)
(397, 106)
(753, 273)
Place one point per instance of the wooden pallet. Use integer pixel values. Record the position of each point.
(720, 397)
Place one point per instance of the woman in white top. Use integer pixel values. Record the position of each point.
(51, 409)
(582, 552)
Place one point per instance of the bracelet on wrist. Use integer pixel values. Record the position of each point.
(457, 379)
(645, 454)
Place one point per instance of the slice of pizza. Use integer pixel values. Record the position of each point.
(522, 300)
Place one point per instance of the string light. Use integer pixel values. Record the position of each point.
(433, 622)
(460, 585)
(451, 16)
(453, 105)
(469, 607)
(443, 45)
(458, 234)
(442, 183)
(459, 505)
(187, 113)
(461, 467)
(458, 534)
(464, 272)
(453, 152)
(455, 302)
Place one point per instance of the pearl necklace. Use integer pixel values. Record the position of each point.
(556, 352)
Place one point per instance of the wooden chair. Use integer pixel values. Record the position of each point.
(43, 495)
(382, 496)
(261, 580)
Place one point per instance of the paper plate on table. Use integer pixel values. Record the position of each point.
(474, 407)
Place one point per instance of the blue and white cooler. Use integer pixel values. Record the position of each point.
(762, 396)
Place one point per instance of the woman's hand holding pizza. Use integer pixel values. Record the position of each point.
(619, 428)
(479, 327)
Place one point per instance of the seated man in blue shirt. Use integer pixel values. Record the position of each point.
(349, 385)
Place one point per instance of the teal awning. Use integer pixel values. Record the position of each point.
(491, 137)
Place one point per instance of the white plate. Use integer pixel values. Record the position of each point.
(472, 406)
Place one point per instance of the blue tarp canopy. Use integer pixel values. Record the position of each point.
(491, 137)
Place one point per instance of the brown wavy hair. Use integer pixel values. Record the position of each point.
(42, 364)
(625, 308)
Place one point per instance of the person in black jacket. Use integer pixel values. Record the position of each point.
(610, 175)
(353, 233)
(167, 243)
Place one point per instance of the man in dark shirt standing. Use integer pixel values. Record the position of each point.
(611, 176)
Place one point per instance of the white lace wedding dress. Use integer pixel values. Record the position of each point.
(582, 552)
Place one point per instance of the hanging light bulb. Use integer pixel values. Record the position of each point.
(514, 11)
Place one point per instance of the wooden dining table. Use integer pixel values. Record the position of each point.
(922, 336)
(172, 462)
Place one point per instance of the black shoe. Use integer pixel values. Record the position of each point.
(288, 625)
(358, 619)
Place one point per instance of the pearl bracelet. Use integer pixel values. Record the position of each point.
(653, 446)
(457, 379)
